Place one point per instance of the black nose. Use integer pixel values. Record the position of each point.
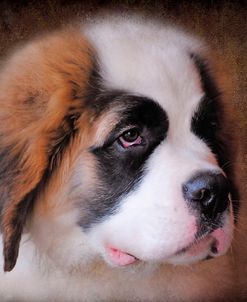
(209, 192)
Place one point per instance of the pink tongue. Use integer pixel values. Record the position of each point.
(120, 258)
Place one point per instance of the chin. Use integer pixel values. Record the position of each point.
(114, 153)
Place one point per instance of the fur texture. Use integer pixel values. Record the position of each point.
(103, 129)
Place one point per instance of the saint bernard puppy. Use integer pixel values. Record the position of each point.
(114, 175)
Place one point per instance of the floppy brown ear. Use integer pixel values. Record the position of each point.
(41, 100)
(19, 186)
(27, 161)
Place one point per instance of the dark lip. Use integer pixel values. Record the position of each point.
(129, 254)
(138, 259)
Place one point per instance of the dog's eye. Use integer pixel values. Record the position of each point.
(130, 138)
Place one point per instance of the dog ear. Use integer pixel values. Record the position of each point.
(18, 189)
(41, 100)
(27, 160)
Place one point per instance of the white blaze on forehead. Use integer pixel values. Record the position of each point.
(153, 60)
(148, 59)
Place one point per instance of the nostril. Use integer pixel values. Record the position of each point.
(203, 195)
(208, 192)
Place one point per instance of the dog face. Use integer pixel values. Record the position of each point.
(120, 153)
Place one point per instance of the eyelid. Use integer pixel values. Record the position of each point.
(135, 127)
(127, 145)
(129, 127)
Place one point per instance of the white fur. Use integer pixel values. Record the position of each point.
(58, 262)
(157, 65)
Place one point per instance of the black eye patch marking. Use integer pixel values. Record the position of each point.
(140, 113)
(121, 169)
(207, 124)
(206, 121)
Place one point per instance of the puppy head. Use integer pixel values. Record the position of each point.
(120, 149)
(164, 194)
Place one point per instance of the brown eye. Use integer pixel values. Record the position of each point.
(130, 137)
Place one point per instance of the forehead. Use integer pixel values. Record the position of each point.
(149, 60)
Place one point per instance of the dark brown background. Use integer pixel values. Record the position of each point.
(221, 23)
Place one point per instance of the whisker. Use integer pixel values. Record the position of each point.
(227, 164)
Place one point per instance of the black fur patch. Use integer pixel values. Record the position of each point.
(206, 120)
(207, 124)
(121, 169)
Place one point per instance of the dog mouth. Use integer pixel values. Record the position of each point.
(198, 245)
(215, 242)
(207, 247)
(120, 258)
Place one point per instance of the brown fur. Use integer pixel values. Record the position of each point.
(46, 96)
